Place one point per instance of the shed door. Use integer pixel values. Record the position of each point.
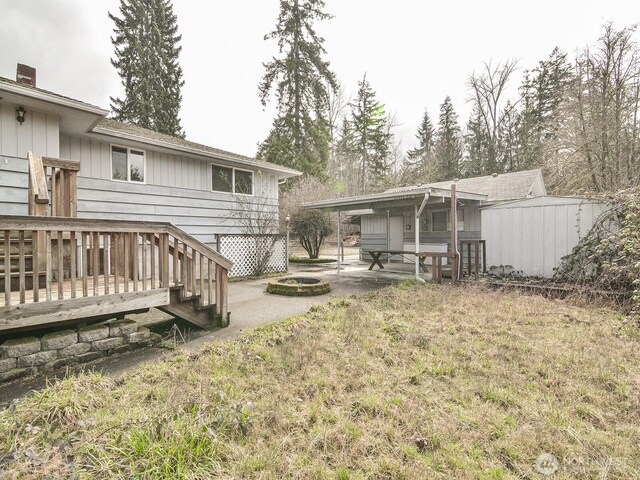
(396, 236)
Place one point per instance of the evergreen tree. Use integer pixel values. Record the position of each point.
(146, 44)
(475, 144)
(448, 145)
(301, 80)
(370, 135)
(543, 92)
(419, 158)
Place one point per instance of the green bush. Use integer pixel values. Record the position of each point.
(311, 227)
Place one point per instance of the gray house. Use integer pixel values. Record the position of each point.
(128, 172)
(99, 218)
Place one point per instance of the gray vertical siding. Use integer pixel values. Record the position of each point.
(39, 133)
(373, 232)
(162, 169)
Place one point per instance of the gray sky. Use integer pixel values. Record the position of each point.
(415, 52)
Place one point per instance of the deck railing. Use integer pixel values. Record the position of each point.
(89, 257)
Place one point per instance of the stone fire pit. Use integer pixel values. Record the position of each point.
(298, 286)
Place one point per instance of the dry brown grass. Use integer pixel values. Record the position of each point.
(413, 382)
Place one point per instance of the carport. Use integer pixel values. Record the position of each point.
(416, 207)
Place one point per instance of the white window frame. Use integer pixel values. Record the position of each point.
(144, 158)
(233, 180)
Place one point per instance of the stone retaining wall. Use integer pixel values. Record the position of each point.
(31, 355)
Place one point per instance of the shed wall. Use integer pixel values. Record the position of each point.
(533, 235)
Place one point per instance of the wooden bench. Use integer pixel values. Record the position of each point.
(436, 260)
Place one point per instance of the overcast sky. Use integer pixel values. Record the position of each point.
(415, 52)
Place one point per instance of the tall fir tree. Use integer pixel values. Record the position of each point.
(146, 44)
(448, 144)
(475, 142)
(419, 159)
(370, 136)
(301, 80)
(543, 93)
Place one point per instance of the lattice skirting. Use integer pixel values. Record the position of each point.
(242, 251)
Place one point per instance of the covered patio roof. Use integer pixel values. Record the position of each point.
(390, 199)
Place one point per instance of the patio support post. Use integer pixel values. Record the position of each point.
(389, 236)
(417, 222)
(338, 235)
(454, 234)
(417, 228)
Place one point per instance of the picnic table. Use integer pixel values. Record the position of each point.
(436, 259)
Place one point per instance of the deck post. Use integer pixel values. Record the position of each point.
(338, 236)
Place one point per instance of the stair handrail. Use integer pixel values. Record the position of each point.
(201, 248)
(39, 192)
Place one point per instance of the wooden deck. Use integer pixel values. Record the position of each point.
(90, 268)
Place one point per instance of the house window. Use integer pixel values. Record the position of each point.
(127, 164)
(231, 180)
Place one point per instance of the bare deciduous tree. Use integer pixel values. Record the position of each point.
(605, 104)
(488, 95)
(257, 218)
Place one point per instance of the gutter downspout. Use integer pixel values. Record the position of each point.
(339, 238)
(418, 211)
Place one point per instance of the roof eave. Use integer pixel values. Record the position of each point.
(51, 98)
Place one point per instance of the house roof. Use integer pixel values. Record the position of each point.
(497, 187)
(396, 197)
(487, 189)
(115, 128)
(44, 100)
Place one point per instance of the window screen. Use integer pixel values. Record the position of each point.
(221, 179)
(136, 166)
(439, 221)
(119, 163)
(244, 182)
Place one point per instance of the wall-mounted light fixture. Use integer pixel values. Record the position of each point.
(20, 113)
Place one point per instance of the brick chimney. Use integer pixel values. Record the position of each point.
(26, 74)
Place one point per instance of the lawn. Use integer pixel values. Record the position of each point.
(416, 381)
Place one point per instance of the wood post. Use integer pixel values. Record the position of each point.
(221, 292)
(454, 235)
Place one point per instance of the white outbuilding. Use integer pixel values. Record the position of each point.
(533, 234)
